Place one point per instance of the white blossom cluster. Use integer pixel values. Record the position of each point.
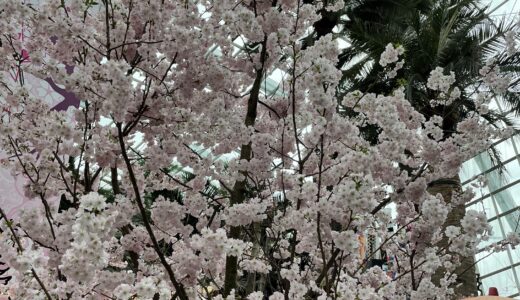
(493, 79)
(510, 38)
(246, 213)
(87, 248)
(440, 82)
(346, 240)
(443, 83)
(391, 56)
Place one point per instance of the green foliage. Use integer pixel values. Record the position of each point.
(456, 35)
(108, 194)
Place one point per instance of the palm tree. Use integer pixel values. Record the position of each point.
(457, 35)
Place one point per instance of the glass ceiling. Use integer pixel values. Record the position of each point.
(500, 199)
(503, 8)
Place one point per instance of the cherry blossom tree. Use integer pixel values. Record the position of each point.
(183, 176)
(459, 36)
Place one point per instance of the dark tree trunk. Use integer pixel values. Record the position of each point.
(466, 271)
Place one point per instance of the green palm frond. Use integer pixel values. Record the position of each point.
(512, 102)
(490, 33)
(180, 172)
(496, 159)
(498, 120)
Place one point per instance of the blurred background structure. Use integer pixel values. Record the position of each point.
(500, 199)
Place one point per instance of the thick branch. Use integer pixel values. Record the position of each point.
(238, 193)
(178, 286)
